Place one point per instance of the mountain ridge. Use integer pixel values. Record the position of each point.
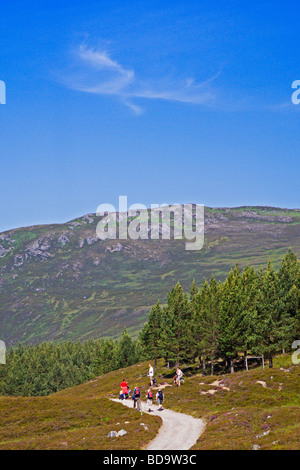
(59, 281)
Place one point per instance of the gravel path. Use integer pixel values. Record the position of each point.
(178, 431)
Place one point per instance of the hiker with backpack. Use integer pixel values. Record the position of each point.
(136, 397)
(160, 398)
(149, 396)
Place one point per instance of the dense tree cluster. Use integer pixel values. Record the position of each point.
(250, 312)
(48, 367)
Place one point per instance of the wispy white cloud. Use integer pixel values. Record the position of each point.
(99, 74)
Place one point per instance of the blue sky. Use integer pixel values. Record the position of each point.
(165, 102)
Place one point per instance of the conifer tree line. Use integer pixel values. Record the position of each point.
(46, 368)
(250, 313)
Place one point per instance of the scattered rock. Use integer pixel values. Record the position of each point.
(3, 251)
(210, 392)
(91, 240)
(88, 218)
(74, 224)
(262, 382)
(216, 383)
(39, 248)
(220, 385)
(115, 248)
(63, 239)
(19, 260)
(255, 447)
(161, 386)
(121, 433)
(263, 434)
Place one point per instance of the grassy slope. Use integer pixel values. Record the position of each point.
(80, 289)
(81, 417)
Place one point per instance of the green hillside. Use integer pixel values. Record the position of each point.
(257, 407)
(59, 282)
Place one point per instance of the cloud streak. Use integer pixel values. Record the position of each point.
(99, 74)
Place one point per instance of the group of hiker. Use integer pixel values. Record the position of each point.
(136, 394)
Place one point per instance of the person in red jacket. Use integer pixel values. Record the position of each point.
(125, 390)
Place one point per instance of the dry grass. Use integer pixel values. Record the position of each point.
(81, 417)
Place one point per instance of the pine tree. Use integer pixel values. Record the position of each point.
(272, 324)
(126, 354)
(289, 278)
(150, 336)
(194, 336)
(231, 315)
(176, 327)
(209, 321)
(248, 292)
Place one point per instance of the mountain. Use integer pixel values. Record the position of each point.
(61, 282)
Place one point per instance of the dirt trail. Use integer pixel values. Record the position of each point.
(178, 431)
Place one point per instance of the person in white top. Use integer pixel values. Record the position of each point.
(151, 373)
(179, 376)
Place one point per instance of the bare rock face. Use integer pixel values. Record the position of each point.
(88, 218)
(19, 260)
(39, 248)
(3, 251)
(74, 224)
(115, 248)
(6, 244)
(63, 239)
(91, 240)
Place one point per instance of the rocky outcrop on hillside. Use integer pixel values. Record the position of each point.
(63, 281)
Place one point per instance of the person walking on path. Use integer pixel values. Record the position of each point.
(136, 397)
(151, 373)
(160, 398)
(179, 376)
(149, 396)
(125, 390)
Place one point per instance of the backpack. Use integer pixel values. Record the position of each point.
(149, 395)
(137, 393)
(160, 395)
